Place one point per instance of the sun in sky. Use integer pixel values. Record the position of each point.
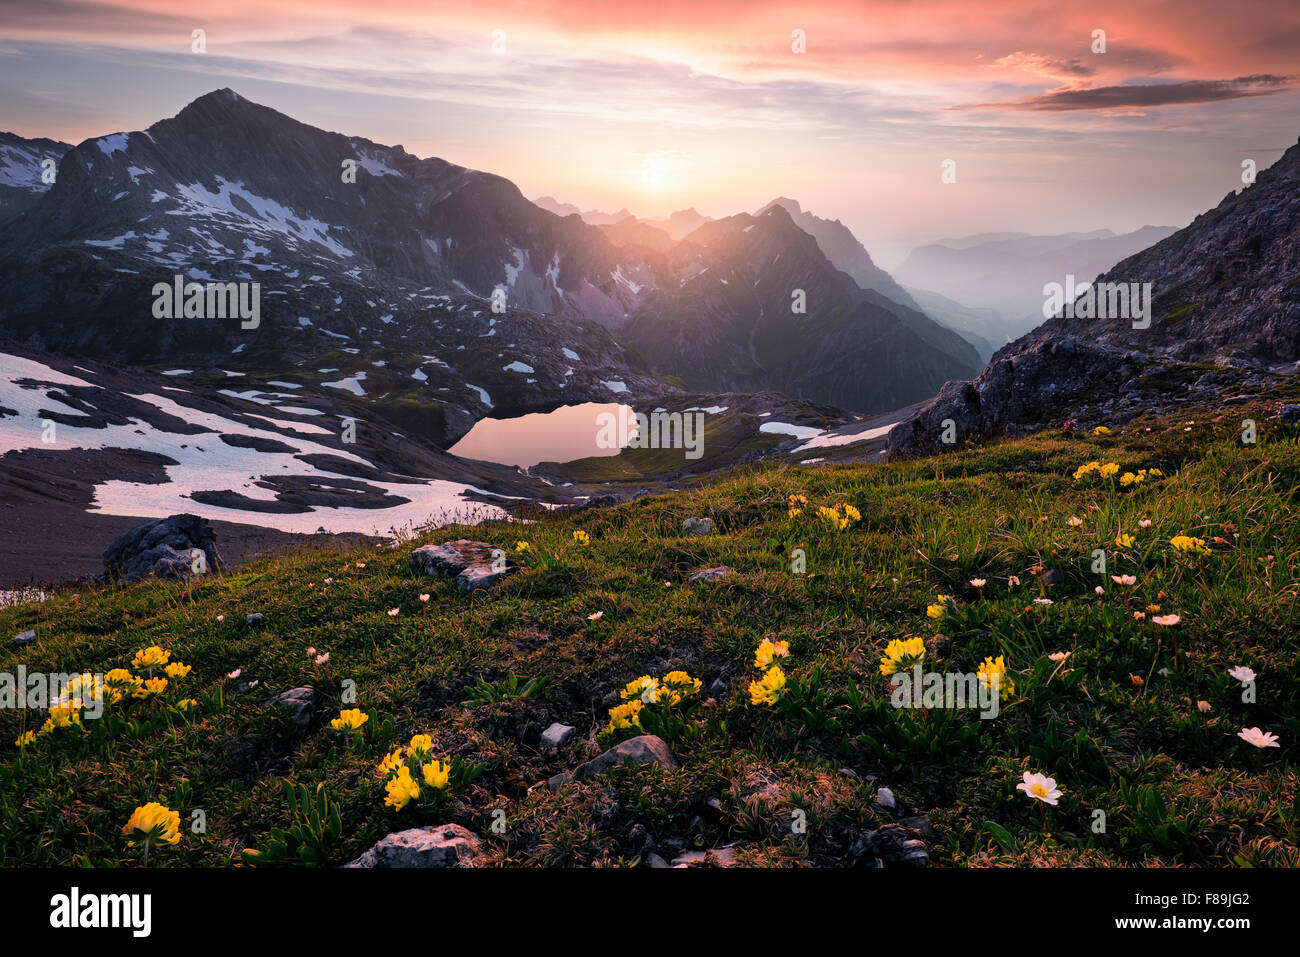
(660, 172)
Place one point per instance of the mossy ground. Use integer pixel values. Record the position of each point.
(1177, 786)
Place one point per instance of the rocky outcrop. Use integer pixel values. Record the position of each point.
(447, 845)
(163, 548)
(474, 565)
(1225, 316)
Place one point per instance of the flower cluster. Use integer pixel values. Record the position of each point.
(351, 719)
(1105, 470)
(992, 674)
(1188, 545)
(153, 823)
(940, 605)
(901, 655)
(88, 692)
(839, 517)
(769, 650)
(648, 695)
(769, 689)
(1138, 477)
(407, 771)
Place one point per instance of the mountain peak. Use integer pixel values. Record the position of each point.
(221, 105)
(791, 206)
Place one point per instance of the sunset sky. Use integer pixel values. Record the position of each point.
(662, 105)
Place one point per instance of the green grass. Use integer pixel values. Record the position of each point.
(1176, 786)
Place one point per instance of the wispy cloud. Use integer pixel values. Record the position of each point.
(1139, 96)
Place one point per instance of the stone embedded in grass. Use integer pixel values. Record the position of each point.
(643, 749)
(447, 845)
(474, 565)
(25, 638)
(698, 526)
(254, 618)
(717, 573)
(556, 735)
(885, 797)
(718, 856)
(174, 547)
(898, 845)
(298, 703)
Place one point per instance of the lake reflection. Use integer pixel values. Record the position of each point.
(563, 435)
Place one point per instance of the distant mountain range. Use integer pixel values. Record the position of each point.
(383, 259)
(1004, 273)
(411, 297)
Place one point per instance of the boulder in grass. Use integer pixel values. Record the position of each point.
(705, 575)
(474, 565)
(178, 546)
(643, 749)
(447, 845)
(298, 704)
(698, 526)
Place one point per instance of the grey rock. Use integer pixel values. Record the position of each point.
(1290, 414)
(298, 702)
(162, 548)
(655, 861)
(718, 688)
(25, 638)
(556, 735)
(717, 573)
(557, 781)
(698, 526)
(447, 845)
(892, 845)
(643, 749)
(885, 797)
(254, 618)
(474, 565)
(719, 856)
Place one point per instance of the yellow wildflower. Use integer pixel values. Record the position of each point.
(993, 674)
(769, 689)
(1189, 545)
(625, 715)
(581, 538)
(350, 720)
(645, 689)
(153, 822)
(392, 761)
(152, 657)
(402, 789)
(767, 650)
(901, 655)
(177, 670)
(436, 774)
